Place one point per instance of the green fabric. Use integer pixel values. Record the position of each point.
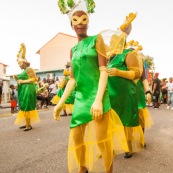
(141, 95)
(87, 74)
(122, 93)
(70, 99)
(26, 93)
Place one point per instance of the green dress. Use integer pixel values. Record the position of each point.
(70, 99)
(122, 93)
(86, 73)
(141, 95)
(26, 93)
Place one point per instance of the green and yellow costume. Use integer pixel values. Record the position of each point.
(68, 106)
(27, 101)
(124, 100)
(90, 139)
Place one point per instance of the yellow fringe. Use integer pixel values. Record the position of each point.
(23, 115)
(145, 118)
(95, 144)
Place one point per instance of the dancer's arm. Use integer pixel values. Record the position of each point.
(32, 77)
(97, 107)
(133, 66)
(68, 90)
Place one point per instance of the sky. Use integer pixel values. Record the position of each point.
(35, 22)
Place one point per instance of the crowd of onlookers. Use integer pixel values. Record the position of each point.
(163, 92)
(46, 90)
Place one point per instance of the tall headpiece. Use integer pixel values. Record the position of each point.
(21, 53)
(71, 6)
(127, 22)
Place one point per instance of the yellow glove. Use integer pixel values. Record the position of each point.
(97, 107)
(132, 65)
(56, 112)
(121, 73)
(68, 89)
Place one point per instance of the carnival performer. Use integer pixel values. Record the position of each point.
(123, 70)
(142, 88)
(68, 106)
(95, 128)
(26, 93)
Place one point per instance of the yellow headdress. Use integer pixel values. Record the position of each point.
(134, 45)
(21, 53)
(128, 21)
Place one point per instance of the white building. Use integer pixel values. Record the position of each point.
(6, 82)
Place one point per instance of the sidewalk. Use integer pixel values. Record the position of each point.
(5, 110)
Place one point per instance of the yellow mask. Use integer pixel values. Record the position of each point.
(76, 20)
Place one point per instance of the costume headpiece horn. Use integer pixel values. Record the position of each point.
(21, 53)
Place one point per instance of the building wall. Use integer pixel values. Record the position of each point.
(56, 53)
(2, 70)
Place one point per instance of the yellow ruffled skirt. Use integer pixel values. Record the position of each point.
(135, 138)
(95, 144)
(23, 115)
(55, 100)
(145, 118)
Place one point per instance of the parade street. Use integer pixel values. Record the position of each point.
(44, 148)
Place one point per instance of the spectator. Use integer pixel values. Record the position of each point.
(13, 99)
(164, 91)
(169, 87)
(156, 91)
(45, 97)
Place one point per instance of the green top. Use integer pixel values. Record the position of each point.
(141, 95)
(26, 93)
(86, 73)
(122, 93)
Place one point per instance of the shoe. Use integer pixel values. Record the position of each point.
(145, 145)
(172, 108)
(22, 127)
(156, 107)
(28, 128)
(167, 107)
(128, 155)
(63, 115)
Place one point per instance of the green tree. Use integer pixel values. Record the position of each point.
(150, 62)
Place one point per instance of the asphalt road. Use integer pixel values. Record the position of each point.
(44, 148)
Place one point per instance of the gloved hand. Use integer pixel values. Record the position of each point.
(56, 111)
(121, 73)
(112, 71)
(97, 110)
